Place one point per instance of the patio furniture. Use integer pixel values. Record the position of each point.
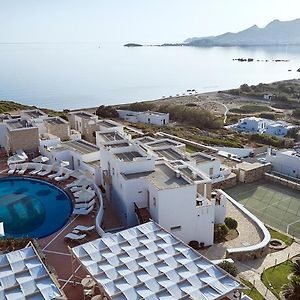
(85, 204)
(75, 237)
(23, 170)
(83, 211)
(57, 174)
(38, 168)
(64, 177)
(85, 197)
(47, 169)
(77, 194)
(84, 229)
(12, 169)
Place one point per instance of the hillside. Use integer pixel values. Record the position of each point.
(275, 33)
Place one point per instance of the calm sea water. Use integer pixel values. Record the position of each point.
(85, 75)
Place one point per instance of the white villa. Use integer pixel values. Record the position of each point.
(147, 117)
(286, 162)
(262, 126)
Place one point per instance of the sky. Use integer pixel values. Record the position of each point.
(144, 21)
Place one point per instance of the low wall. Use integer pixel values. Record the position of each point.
(254, 251)
(229, 182)
(288, 183)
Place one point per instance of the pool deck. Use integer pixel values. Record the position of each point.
(55, 247)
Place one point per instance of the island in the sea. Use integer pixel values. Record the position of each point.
(133, 45)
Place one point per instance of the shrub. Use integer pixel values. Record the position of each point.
(220, 232)
(194, 244)
(106, 112)
(296, 113)
(229, 267)
(231, 223)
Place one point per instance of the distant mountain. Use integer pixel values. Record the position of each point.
(133, 45)
(275, 33)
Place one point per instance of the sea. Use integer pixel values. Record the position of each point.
(81, 75)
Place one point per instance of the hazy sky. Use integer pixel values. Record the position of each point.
(147, 21)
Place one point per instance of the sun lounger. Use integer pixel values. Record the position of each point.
(12, 169)
(37, 169)
(84, 229)
(75, 237)
(47, 169)
(23, 170)
(57, 174)
(85, 204)
(64, 177)
(89, 189)
(82, 211)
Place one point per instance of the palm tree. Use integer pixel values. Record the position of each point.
(296, 268)
(291, 291)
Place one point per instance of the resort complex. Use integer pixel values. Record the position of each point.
(94, 208)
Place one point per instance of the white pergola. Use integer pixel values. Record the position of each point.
(23, 276)
(147, 262)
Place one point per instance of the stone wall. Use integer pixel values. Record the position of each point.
(283, 181)
(246, 255)
(229, 182)
(251, 175)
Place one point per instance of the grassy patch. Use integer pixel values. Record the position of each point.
(252, 292)
(7, 106)
(280, 236)
(191, 149)
(275, 277)
(251, 109)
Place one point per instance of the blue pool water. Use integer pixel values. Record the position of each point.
(32, 207)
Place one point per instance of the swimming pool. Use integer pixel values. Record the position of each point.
(31, 207)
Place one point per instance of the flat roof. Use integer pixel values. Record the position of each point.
(24, 276)
(36, 113)
(128, 156)
(170, 154)
(111, 136)
(117, 145)
(81, 146)
(17, 124)
(163, 143)
(190, 173)
(202, 157)
(94, 164)
(147, 262)
(108, 124)
(55, 121)
(83, 114)
(145, 139)
(163, 177)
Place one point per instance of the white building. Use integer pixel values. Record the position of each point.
(286, 162)
(148, 117)
(262, 126)
(80, 154)
(141, 186)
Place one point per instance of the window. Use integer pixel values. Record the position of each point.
(199, 203)
(154, 201)
(78, 162)
(175, 228)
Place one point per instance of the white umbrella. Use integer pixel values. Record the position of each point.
(40, 159)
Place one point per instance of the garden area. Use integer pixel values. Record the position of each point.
(283, 280)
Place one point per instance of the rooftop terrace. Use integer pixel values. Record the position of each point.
(34, 113)
(111, 136)
(128, 156)
(163, 177)
(81, 146)
(18, 124)
(170, 154)
(83, 114)
(55, 121)
(202, 157)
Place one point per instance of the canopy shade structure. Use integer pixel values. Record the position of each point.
(24, 276)
(147, 262)
(40, 159)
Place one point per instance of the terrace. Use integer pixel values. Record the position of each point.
(81, 147)
(56, 121)
(110, 136)
(18, 124)
(34, 114)
(170, 154)
(202, 157)
(128, 156)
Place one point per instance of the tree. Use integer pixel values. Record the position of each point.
(231, 223)
(291, 290)
(229, 267)
(220, 232)
(106, 112)
(296, 268)
(245, 88)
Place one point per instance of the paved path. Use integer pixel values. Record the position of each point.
(249, 234)
(251, 270)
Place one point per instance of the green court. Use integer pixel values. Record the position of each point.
(274, 204)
